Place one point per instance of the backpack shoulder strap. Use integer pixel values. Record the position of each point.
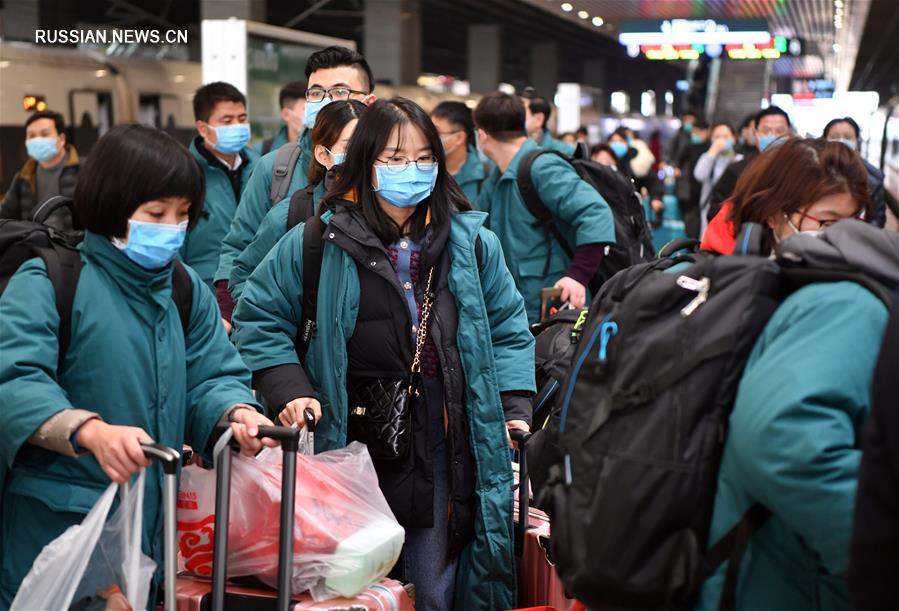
(301, 207)
(64, 269)
(285, 162)
(182, 293)
(532, 198)
(313, 245)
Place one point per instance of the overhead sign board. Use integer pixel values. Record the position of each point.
(693, 31)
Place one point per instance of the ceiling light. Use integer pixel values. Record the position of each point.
(838, 3)
(100, 73)
(836, 47)
(583, 14)
(597, 21)
(4, 63)
(567, 7)
(179, 78)
(838, 25)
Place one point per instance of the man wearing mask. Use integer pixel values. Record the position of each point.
(51, 170)
(771, 125)
(456, 128)
(747, 142)
(535, 259)
(689, 188)
(681, 139)
(537, 113)
(334, 73)
(221, 151)
(847, 131)
(292, 101)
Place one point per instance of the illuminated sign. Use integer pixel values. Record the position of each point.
(771, 48)
(693, 31)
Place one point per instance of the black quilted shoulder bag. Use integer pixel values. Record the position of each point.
(381, 410)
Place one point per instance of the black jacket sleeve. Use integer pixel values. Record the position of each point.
(874, 552)
(282, 384)
(517, 405)
(11, 208)
(724, 188)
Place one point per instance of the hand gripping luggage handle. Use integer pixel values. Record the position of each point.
(289, 438)
(169, 458)
(521, 437)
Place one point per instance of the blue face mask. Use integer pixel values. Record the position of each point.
(695, 139)
(406, 188)
(41, 149)
(230, 139)
(766, 141)
(337, 158)
(619, 148)
(630, 142)
(688, 127)
(312, 110)
(152, 245)
(728, 145)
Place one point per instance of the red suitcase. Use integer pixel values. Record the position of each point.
(197, 593)
(539, 585)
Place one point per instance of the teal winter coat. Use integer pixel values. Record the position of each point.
(791, 446)
(471, 175)
(204, 242)
(494, 347)
(535, 258)
(552, 144)
(130, 362)
(255, 203)
(272, 229)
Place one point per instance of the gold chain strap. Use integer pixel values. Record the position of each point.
(423, 327)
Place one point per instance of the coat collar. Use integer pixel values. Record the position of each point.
(133, 279)
(473, 168)
(29, 170)
(208, 161)
(511, 172)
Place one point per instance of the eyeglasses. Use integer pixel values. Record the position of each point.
(335, 94)
(396, 165)
(822, 223)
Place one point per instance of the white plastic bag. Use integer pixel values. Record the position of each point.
(93, 558)
(345, 536)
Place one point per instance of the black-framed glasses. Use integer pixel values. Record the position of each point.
(335, 94)
(398, 164)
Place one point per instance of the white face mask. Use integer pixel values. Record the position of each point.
(812, 232)
(850, 143)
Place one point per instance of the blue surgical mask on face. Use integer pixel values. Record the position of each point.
(312, 110)
(152, 245)
(850, 143)
(406, 188)
(230, 139)
(619, 148)
(688, 127)
(695, 139)
(766, 141)
(728, 145)
(337, 158)
(41, 149)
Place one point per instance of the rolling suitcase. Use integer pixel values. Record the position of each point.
(199, 594)
(539, 585)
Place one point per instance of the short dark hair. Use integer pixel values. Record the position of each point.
(538, 104)
(207, 96)
(130, 166)
(723, 124)
(501, 115)
(690, 112)
(748, 120)
(849, 120)
(582, 130)
(771, 110)
(602, 146)
(336, 56)
(459, 115)
(369, 140)
(48, 114)
(328, 124)
(290, 93)
(701, 124)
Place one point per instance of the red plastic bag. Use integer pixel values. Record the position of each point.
(345, 536)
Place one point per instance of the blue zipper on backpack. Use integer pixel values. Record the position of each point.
(607, 332)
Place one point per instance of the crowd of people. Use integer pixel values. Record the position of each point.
(369, 243)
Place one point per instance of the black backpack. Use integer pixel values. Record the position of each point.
(21, 241)
(642, 420)
(633, 240)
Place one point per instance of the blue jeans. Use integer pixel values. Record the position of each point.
(425, 560)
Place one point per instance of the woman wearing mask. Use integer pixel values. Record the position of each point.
(711, 165)
(131, 372)
(648, 184)
(330, 137)
(456, 127)
(791, 164)
(803, 397)
(409, 280)
(847, 131)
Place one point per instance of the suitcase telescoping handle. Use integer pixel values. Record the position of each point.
(169, 459)
(289, 438)
(521, 437)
